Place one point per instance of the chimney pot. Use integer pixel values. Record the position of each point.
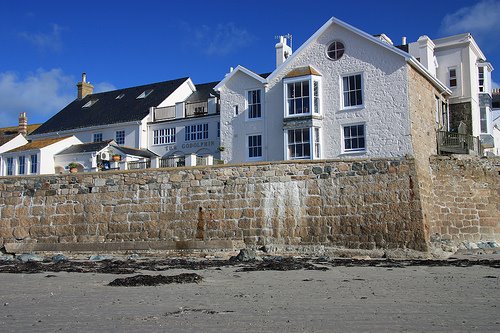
(84, 87)
(23, 124)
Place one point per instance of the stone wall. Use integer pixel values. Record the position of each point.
(465, 200)
(362, 204)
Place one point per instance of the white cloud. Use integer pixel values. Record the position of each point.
(219, 40)
(495, 85)
(480, 19)
(50, 41)
(41, 94)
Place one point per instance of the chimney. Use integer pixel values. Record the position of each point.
(283, 51)
(426, 51)
(403, 40)
(23, 124)
(84, 87)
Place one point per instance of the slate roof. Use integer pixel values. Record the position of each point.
(86, 147)
(135, 152)
(495, 101)
(8, 133)
(108, 109)
(38, 144)
(203, 92)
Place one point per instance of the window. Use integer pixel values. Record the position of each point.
(481, 79)
(437, 108)
(352, 91)
(196, 132)
(483, 120)
(254, 146)
(335, 50)
(10, 166)
(120, 137)
(218, 129)
(235, 109)
(90, 103)
(34, 164)
(145, 94)
(298, 97)
(299, 146)
(444, 115)
(317, 143)
(254, 105)
(354, 138)
(97, 137)
(453, 77)
(22, 165)
(164, 136)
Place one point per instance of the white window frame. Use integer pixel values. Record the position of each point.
(314, 109)
(164, 136)
(353, 150)
(483, 119)
(315, 146)
(481, 78)
(248, 147)
(453, 77)
(196, 132)
(10, 166)
(342, 92)
(94, 135)
(33, 164)
(21, 165)
(248, 105)
(116, 137)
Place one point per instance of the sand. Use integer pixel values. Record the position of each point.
(354, 299)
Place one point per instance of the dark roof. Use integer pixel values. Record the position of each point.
(203, 92)
(495, 103)
(265, 75)
(135, 151)
(402, 47)
(86, 147)
(8, 133)
(108, 109)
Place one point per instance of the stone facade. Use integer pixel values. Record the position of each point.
(363, 204)
(465, 200)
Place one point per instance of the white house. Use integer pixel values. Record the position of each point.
(343, 93)
(35, 157)
(458, 62)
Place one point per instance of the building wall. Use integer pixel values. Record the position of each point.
(182, 147)
(465, 199)
(363, 204)
(385, 110)
(461, 112)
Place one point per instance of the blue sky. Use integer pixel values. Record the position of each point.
(46, 45)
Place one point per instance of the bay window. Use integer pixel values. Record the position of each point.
(303, 143)
(302, 96)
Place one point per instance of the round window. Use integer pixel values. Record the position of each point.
(335, 50)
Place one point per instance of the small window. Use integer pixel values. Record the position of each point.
(254, 146)
(97, 137)
(218, 129)
(120, 96)
(34, 164)
(354, 138)
(120, 137)
(90, 103)
(335, 50)
(481, 79)
(352, 90)
(453, 77)
(10, 166)
(483, 120)
(22, 165)
(145, 94)
(235, 110)
(254, 105)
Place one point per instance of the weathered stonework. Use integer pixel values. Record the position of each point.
(362, 204)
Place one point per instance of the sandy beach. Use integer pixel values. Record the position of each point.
(339, 299)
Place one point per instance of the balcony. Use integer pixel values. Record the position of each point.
(456, 143)
(164, 113)
(196, 109)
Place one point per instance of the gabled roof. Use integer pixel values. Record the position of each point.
(38, 144)
(243, 70)
(8, 133)
(86, 147)
(107, 109)
(411, 60)
(203, 92)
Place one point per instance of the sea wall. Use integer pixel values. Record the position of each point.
(359, 204)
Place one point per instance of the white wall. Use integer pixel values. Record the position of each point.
(385, 92)
(17, 141)
(182, 147)
(179, 95)
(46, 160)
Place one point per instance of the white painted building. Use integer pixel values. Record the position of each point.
(342, 94)
(458, 62)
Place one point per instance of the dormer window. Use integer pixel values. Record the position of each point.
(120, 96)
(145, 94)
(90, 103)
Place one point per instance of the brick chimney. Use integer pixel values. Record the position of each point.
(84, 87)
(23, 124)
